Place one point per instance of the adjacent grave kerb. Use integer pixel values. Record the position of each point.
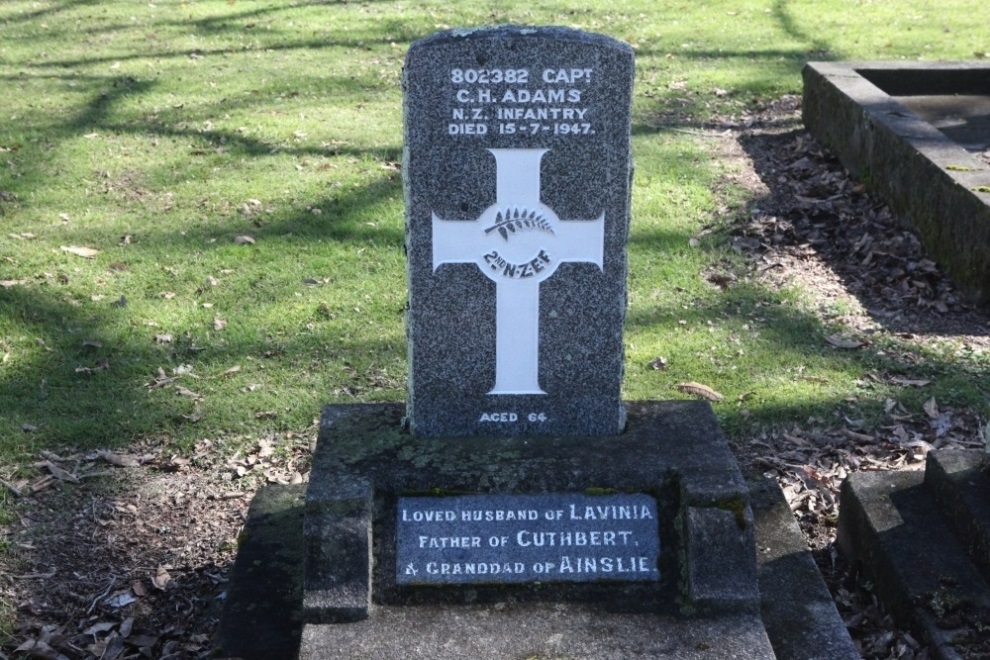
(516, 171)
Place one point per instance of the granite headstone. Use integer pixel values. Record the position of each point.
(516, 171)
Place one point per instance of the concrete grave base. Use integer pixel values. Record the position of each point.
(535, 631)
(718, 598)
(922, 539)
(913, 131)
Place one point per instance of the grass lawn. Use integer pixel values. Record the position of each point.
(230, 169)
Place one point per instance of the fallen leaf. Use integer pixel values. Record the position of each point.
(908, 382)
(163, 339)
(101, 627)
(233, 370)
(266, 414)
(85, 252)
(187, 392)
(244, 239)
(219, 324)
(122, 599)
(7, 284)
(842, 342)
(161, 579)
(167, 295)
(931, 408)
(59, 473)
(139, 589)
(120, 460)
(698, 389)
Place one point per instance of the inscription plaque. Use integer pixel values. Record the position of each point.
(479, 539)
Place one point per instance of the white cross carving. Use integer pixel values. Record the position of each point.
(517, 243)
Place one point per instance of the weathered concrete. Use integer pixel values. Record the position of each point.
(505, 631)
(960, 483)
(673, 451)
(892, 527)
(862, 112)
(260, 622)
(262, 616)
(797, 608)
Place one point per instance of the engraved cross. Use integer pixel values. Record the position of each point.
(517, 243)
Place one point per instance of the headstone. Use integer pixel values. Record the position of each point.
(517, 171)
(519, 512)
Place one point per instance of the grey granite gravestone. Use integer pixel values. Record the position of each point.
(524, 515)
(516, 171)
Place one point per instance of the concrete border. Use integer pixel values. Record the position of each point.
(926, 178)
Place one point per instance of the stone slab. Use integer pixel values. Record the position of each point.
(795, 605)
(517, 176)
(262, 615)
(505, 631)
(959, 480)
(797, 608)
(935, 184)
(510, 539)
(891, 527)
(673, 452)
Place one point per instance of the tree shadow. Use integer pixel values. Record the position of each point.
(812, 201)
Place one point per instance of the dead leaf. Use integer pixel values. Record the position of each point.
(7, 284)
(266, 414)
(844, 343)
(233, 370)
(931, 408)
(101, 627)
(161, 579)
(122, 599)
(219, 323)
(187, 392)
(908, 382)
(85, 252)
(163, 339)
(244, 239)
(139, 589)
(167, 295)
(60, 474)
(659, 363)
(697, 389)
(120, 460)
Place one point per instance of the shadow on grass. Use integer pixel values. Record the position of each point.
(102, 379)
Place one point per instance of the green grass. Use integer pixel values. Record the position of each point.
(184, 125)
